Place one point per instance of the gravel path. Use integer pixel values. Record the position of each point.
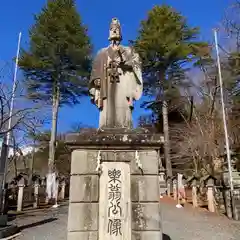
(49, 224)
(178, 224)
(190, 224)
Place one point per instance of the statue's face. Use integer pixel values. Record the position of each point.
(115, 30)
(114, 33)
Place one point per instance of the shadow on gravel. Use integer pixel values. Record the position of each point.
(166, 237)
(13, 216)
(38, 223)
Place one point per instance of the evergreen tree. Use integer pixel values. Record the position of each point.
(166, 44)
(58, 60)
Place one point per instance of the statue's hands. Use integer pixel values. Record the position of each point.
(126, 65)
(97, 82)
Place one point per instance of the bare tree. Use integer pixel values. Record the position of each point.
(231, 24)
(200, 142)
(25, 118)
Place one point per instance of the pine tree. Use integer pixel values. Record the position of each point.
(58, 60)
(166, 43)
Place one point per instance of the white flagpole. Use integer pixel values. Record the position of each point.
(13, 91)
(224, 118)
(5, 165)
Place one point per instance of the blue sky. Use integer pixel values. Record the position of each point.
(17, 15)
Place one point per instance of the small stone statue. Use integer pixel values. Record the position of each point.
(116, 81)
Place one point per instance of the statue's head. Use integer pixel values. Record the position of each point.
(115, 30)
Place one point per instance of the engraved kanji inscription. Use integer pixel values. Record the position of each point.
(114, 202)
(115, 227)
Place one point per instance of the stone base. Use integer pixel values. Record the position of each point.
(86, 184)
(90, 213)
(115, 138)
(8, 231)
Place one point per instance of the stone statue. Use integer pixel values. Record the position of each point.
(116, 81)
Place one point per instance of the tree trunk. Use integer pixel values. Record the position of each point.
(14, 158)
(166, 139)
(162, 80)
(15, 166)
(31, 167)
(52, 142)
(24, 163)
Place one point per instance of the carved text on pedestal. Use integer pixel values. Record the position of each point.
(114, 202)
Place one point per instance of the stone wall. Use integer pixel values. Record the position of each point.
(140, 195)
(146, 222)
(236, 195)
(84, 196)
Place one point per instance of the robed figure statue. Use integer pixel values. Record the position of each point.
(116, 81)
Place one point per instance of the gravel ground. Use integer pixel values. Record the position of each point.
(178, 224)
(49, 224)
(191, 224)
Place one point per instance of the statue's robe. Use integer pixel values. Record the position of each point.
(115, 100)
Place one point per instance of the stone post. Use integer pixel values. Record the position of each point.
(43, 182)
(236, 207)
(62, 191)
(169, 184)
(181, 193)
(194, 193)
(184, 200)
(228, 204)
(209, 181)
(175, 190)
(36, 194)
(114, 189)
(21, 185)
(56, 192)
(210, 195)
(162, 182)
(46, 198)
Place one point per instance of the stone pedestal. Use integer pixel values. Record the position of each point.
(20, 198)
(21, 185)
(194, 195)
(36, 194)
(114, 186)
(210, 193)
(169, 186)
(62, 191)
(175, 190)
(210, 198)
